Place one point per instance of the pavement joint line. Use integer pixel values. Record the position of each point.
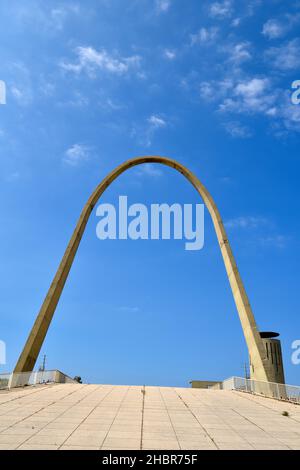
(166, 408)
(222, 419)
(51, 421)
(103, 398)
(217, 419)
(46, 387)
(32, 414)
(143, 409)
(252, 399)
(121, 402)
(257, 395)
(205, 430)
(262, 429)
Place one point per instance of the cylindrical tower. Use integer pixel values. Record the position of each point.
(274, 362)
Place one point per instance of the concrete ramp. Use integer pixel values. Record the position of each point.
(73, 416)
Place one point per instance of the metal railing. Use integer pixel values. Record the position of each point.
(22, 379)
(4, 379)
(289, 393)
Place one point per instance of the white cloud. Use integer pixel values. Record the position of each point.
(252, 88)
(76, 154)
(59, 15)
(156, 122)
(246, 10)
(237, 130)
(226, 179)
(287, 56)
(77, 100)
(21, 88)
(236, 22)
(277, 28)
(239, 52)
(262, 228)
(258, 96)
(204, 36)
(170, 54)
(12, 177)
(21, 94)
(145, 132)
(90, 60)
(215, 90)
(17, 93)
(38, 15)
(277, 241)
(47, 88)
(208, 90)
(162, 6)
(289, 113)
(111, 105)
(221, 10)
(127, 309)
(234, 92)
(251, 96)
(246, 222)
(273, 29)
(148, 169)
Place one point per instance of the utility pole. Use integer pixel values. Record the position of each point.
(246, 371)
(43, 366)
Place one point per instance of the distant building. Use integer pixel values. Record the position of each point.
(206, 384)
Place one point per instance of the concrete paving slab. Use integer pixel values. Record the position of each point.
(74, 416)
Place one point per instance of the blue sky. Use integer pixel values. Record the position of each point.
(91, 84)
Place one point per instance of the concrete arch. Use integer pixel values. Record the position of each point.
(37, 335)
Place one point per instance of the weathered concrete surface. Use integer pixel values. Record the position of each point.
(71, 416)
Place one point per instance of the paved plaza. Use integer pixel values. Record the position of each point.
(73, 416)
